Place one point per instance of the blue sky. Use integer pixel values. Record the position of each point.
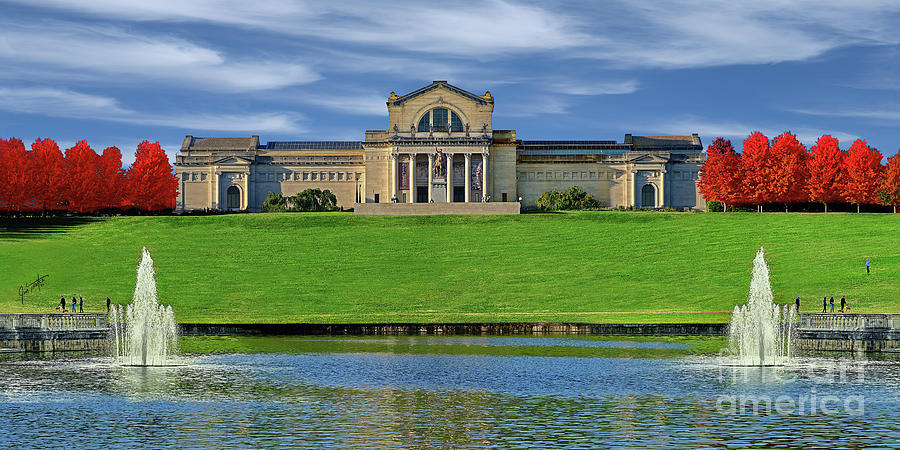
(116, 72)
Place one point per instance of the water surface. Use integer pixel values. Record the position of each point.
(437, 400)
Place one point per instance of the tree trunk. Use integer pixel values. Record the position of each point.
(857, 208)
(785, 208)
(724, 207)
(826, 208)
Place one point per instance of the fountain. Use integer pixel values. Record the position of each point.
(761, 331)
(144, 331)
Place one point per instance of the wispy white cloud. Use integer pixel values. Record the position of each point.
(468, 28)
(625, 33)
(365, 104)
(533, 106)
(593, 87)
(887, 115)
(64, 49)
(76, 105)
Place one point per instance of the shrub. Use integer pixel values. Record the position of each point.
(570, 199)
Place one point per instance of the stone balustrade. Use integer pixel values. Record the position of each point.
(53, 332)
(848, 322)
(849, 332)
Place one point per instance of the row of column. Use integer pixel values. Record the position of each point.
(395, 176)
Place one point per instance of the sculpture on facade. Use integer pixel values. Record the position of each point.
(476, 176)
(439, 170)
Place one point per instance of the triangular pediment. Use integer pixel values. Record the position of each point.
(648, 158)
(482, 99)
(234, 160)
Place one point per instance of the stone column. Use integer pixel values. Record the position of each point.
(484, 177)
(430, 175)
(468, 174)
(662, 189)
(449, 177)
(631, 189)
(246, 190)
(217, 202)
(393, 177)
(412, 178)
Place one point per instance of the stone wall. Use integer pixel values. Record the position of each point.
(436, 208)
(502, 328)
(53, 332)
(849, 332)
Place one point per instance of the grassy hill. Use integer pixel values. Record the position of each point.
(336, 267)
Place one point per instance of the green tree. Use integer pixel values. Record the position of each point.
(571, 199)
(275, 202)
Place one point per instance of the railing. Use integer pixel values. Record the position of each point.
(63, 321)
(848, 322)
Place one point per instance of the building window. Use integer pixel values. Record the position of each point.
(202, 176)
(376, 198)
(321, 176)
(330, 176)
(185, 176)
(455, 123)
(305, 176)
(424, 124)
(439, 120)
(340, 176)
(314, 174)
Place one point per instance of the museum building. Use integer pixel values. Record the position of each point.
(440, 151)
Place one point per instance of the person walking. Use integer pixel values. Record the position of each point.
(80, 304)
(107, 304)
(62, 303)
(74, 303)
(798, 303)
(843, 302)
(868, 263)
(825, 304)
(832, 304)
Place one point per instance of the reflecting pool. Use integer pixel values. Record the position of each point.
(380, 399)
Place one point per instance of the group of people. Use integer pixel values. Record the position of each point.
(77, 304)
(826, 302)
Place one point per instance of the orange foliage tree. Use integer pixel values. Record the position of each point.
(863, 168)
(826, 171)
(720, 178)
(889, 191)
(789, 174)
(151, 184)
(759, 170)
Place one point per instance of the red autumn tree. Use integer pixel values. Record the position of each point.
(826, 171)
(758, 170)
(720, 178)
(151, 184)
(82, 181)
(14, 175)
(113, 187)
(48, 174)
(863, 168)
(889, 192)
(788, 177)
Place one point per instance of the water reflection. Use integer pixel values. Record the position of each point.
(415, 400)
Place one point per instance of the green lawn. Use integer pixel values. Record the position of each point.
(336, 267)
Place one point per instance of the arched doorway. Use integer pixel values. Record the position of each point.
(648, 196)
(233, 198)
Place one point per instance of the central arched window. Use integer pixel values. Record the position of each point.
(440, 119)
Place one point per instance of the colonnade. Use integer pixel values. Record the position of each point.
(411, 158)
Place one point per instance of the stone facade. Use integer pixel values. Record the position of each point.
(440, 147)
